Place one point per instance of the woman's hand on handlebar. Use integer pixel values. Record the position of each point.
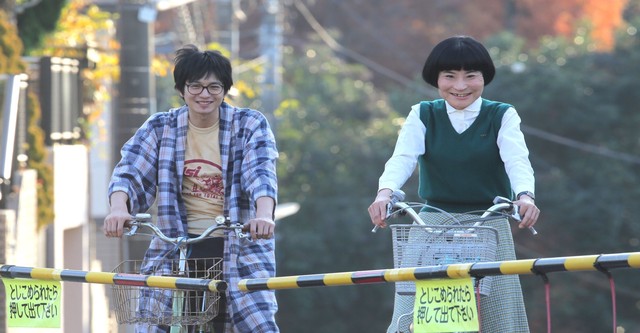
(378, 209)
(114, 223)
(528, 212)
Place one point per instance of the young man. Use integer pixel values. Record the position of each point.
(204, 159)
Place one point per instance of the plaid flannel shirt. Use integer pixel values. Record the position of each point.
(151, 171)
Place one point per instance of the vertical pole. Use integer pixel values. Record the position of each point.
(227, 20)
(136, 89)
(271, 46)
(136, 95)
(11, 96)
(235, 34)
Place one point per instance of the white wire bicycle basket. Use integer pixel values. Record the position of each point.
(159, 306)
(432, 245)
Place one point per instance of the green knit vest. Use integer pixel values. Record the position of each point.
(462, 172)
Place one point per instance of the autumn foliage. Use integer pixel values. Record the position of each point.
(400, 33)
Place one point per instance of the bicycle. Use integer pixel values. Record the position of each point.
(176, 308)
(459, 238)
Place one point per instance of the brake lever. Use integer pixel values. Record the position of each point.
(132, 230)
(242, 234)
(226, 221)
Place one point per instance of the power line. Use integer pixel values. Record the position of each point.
(334, 45)
(379, 35)
(593, 149)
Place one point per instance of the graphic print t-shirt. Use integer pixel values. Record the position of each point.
(202, 187)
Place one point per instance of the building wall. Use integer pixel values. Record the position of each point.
(24, 244)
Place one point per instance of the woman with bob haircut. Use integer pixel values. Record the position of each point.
(468, 150)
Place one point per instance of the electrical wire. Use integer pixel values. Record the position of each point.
(599, 150)
(334, 45)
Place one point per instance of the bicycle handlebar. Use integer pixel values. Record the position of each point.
(501, 206)
(143, 220)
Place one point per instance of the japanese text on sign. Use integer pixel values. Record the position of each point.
(32, 303)
(445, 305)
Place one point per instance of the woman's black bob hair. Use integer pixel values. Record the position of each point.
(458, 53)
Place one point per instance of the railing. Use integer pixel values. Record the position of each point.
(603, 262)
(69, 275)
(541, 266)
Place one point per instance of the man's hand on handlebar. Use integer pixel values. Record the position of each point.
(260, 228)
(114, 223)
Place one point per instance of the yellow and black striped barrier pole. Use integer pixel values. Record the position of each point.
(529, 266)
(602, 262)
(51, 274)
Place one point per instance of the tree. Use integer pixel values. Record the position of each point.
(568, 95)
(10, 47)
(86, 33)
(579, 121)
(38, 160)
(78, 31)
(11, 62)
(399, 34)
(334, 132)
(36, 21)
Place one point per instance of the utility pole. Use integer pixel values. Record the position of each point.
(136, 90)
(271, 48)
(228, 15)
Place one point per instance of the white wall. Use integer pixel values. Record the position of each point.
(71, 232)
